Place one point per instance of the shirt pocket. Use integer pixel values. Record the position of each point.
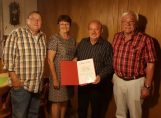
(137, 51)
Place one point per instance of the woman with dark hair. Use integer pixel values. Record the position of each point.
(60, 47)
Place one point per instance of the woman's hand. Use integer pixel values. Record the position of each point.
(56, 84)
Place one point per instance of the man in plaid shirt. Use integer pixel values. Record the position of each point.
(133, 62)
(24, 54)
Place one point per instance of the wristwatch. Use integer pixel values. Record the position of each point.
(147, 86)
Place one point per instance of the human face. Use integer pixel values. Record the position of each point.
(128, 24)
(64, 27)
(34, 22)
(94, 30)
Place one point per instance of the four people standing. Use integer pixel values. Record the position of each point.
(133, 62)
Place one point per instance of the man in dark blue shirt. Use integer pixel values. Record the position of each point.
(100, 50)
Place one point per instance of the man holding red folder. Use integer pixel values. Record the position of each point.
(100, 50)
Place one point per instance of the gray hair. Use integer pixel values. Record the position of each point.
(135, 15)
(33, 12)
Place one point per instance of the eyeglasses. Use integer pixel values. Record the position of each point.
(128, 22)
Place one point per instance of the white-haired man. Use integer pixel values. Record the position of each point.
(133, 62)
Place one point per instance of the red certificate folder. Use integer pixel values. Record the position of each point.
(69, 73)
(76, 73)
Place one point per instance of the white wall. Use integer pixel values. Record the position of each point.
(26, 6)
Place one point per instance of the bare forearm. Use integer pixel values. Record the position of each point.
(54, 75)
(52, 69)
(149, 73)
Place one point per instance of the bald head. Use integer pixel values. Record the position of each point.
(95, 22)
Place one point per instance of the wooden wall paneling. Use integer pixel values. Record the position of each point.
(115, 17)
(144, 8)
(157, 32)
(104, 10)
(108, 12)
(81, 18)
(76, 15)
(122, 7)
(107, 18)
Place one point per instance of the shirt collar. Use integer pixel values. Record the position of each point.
(29, 30)
(135, 34)
(98, 41)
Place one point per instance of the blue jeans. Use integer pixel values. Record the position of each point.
(24, 104)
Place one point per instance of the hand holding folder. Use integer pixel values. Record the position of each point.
(77, 73)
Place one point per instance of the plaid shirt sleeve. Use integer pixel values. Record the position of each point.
(9, 52)
(150, 54)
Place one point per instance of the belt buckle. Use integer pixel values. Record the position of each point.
(128, 78)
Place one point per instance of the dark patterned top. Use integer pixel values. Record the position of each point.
(101, 53)
(65, 50)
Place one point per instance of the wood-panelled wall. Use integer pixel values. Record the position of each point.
(108, 12)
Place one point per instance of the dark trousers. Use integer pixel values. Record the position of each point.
(89, 95)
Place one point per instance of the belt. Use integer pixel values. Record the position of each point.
(130, 78)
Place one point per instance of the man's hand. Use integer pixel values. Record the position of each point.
(145, 92)
(16, 83)
(98, 79)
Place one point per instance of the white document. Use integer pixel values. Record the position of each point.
(86, 71)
